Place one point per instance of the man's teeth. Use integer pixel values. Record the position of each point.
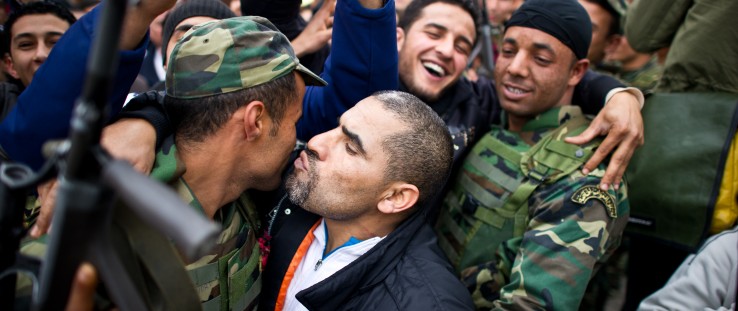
(515, 90)
(435, 69)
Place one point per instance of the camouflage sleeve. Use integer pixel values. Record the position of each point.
(550, 265)
(363, 60)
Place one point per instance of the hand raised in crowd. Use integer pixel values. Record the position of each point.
(318, 31)
(132, 140)
(138, 18)
(621, 123)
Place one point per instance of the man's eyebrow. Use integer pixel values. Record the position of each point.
(544, 46)
(444, 28)
(536, 45)
(184, 27)
(23, 35)
(31, 35)
(437, 26)
(355, 139)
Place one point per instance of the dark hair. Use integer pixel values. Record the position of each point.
(421, 154)
(615, 23)
(34, 8)
(196, 119)
(81, 5)
(415, 8)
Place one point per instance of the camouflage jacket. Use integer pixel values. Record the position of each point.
(645, 78)
(228, 278)
(548, 264)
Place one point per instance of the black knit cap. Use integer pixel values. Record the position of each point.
(191, 8)
(566, 20)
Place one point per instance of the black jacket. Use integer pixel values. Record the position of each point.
(405, 271)
(9, 92)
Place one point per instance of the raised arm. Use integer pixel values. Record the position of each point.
(317, 32)
(44, 109)
(49, 99)
(363, 60)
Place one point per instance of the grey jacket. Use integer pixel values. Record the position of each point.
(704, 281)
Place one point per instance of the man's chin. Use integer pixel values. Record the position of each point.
(512, 107)
(297, 192)
(426, 95)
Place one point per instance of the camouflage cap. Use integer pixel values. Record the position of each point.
(230, 55)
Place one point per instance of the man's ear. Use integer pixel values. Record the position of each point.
(9, 68)
(398, 198)
(253, 115)
(578, 71)
(400, 38)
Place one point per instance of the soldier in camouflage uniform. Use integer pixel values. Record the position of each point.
(524, 226)
(238, 71)
(636, 69)
(233, 89)
(644, 78)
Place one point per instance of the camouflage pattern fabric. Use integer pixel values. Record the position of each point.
(645, 79)
(228, 278)
(230, 55)
(548, 265)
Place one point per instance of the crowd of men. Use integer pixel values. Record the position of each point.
(356, 162)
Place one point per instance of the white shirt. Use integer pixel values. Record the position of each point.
(314, 268)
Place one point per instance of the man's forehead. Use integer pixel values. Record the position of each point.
(446, 15)
(367, 117)
(518, 34)
(357, 113)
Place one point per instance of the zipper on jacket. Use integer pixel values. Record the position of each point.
(273, 214)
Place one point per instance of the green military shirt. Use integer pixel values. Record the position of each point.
(645, 78)
(571, 226)
(226, 279)
(229, 277)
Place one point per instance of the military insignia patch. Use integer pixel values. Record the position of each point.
(587, 193)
